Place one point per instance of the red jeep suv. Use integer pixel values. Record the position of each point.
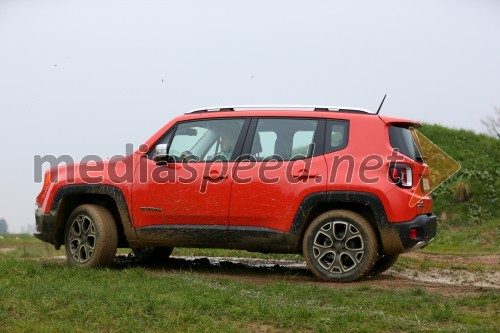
(346, 188)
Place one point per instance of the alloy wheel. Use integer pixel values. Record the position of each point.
(82, 238)
(338, 247)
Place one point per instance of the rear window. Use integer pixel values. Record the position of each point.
(402, 140)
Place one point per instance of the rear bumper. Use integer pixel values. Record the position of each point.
(44, 226)
(426, 228)
(396, 236)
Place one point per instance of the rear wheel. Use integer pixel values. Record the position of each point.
(384, 263)
(340, 246)
(91, 238)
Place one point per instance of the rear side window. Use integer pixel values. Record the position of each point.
(402, 140)
(283, 139)
(337, 135)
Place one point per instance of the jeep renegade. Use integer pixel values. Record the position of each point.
(346, 188)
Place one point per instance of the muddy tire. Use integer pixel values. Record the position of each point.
(340, 246)
(152, 254)
(90, 237)
(383, 264)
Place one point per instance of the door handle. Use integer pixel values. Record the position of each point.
(305, 174)
(214, 176)
(175, 166)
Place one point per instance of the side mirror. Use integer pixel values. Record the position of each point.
(160, 156)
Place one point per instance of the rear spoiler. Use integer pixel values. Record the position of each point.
(391, 121)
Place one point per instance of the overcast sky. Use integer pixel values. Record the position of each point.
(87, 77)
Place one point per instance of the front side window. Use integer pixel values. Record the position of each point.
(283, 139)
(205, 140)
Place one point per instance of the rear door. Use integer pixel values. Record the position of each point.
(283, 164)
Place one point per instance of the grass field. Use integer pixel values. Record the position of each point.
(47, 295)
(51, 296)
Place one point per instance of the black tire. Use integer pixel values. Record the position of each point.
(152, 254)
(90, 237)
(384, 263)
(340, 246)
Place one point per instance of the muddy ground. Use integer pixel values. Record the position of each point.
(463, 275)
(445, 281)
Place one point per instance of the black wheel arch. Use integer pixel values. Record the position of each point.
(366, 204)
(69, 197)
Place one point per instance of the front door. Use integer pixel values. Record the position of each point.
(187, 200)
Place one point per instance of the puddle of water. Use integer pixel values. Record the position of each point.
(251, 262)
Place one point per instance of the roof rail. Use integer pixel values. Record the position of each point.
(217, 109)
(280, 107)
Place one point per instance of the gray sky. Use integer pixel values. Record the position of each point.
(85, 77)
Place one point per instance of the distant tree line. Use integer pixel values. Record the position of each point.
(4, 228)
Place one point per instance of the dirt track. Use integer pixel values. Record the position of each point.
(444, 281)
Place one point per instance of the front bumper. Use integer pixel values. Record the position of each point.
(396, 236)
(44, 226)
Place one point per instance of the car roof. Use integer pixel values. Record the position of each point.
(340, 113)
(314, 111)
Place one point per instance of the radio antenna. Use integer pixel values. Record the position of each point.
(380, 107)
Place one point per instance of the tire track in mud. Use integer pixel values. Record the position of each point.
(443, 281)
(260, 271)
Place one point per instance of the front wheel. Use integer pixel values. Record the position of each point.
(340, 246)
(91, 238)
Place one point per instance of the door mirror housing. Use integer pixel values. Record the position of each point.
(160, 155)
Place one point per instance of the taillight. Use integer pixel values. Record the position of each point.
(401, 175)
(413, 233)
(405, 172)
